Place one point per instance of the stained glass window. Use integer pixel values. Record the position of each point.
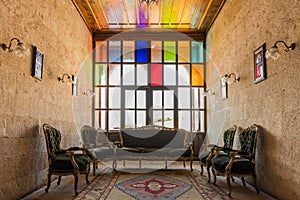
(169, 51)
(142, 51)
(155, 82)
(156, 74)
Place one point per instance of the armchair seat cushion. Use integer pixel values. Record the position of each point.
(240, 165)
(204, 155)
(104, 152)
(63, 162)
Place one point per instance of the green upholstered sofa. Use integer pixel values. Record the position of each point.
(154, 143)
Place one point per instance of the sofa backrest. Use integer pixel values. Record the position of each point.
(153, 137)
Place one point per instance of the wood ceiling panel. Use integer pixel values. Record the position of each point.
(131, 8)
(105, 15)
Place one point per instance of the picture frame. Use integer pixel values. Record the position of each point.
(260, 72)
(223, 89)
(38, 60)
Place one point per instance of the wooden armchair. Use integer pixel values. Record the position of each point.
(63, 162)
(239, 163)
(206, 156)
(98, 146)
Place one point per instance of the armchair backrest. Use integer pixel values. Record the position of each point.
(228, 137)
(89, 136)
(248, 139)
(53, 138)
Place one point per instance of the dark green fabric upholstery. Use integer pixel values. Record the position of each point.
(247, 138)
(63, 162)
(54, 138)
(228, 138)
(240, 165)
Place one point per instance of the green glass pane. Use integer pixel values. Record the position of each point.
(197, 52)
(169, 51)
(100, 74)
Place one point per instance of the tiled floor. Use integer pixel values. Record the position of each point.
(65, 190)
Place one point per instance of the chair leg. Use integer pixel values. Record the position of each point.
(208, 173)
(184, 164)
(49, 182)
(75, 184)
(201, 169)
(229, 185)
(87, 175)
(215, 177)
(59, 179)
(243, 181)
(166, 164)
(94, 168)
(191, 165)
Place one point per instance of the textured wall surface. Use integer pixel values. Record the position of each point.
(241, 27)
(55, 27)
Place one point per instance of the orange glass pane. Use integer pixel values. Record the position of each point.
(101, 51)
(197, 75)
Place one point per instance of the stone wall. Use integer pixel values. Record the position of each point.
(56, 28)
(241, 27)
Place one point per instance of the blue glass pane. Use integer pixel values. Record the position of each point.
(142, 51)
(197, 52)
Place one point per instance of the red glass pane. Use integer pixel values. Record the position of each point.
(156, 74)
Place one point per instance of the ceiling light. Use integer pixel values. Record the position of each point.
(19, 48)
(230, 78)
(274, 51)
(148, 2)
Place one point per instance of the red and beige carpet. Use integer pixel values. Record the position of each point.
(158, 185)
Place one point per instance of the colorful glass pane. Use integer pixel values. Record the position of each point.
(184, 51)
(100, 74)
(197, 52)
(197, 75)
(101, 52)
(142, 51)
(156, 74)
(169, 51)
(128, 51)
(114, 51)
(156, 51)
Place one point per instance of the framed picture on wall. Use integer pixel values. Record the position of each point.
(38, 60)
(260, 73)
(223, 89)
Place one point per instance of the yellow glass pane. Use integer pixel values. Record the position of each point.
(197, 75)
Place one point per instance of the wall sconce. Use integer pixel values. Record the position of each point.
(273, 52)
(19, 49)
(208, 92)
(89, 93)
(230, 78)
(66, 78)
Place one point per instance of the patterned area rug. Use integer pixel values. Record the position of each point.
(158, 185)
